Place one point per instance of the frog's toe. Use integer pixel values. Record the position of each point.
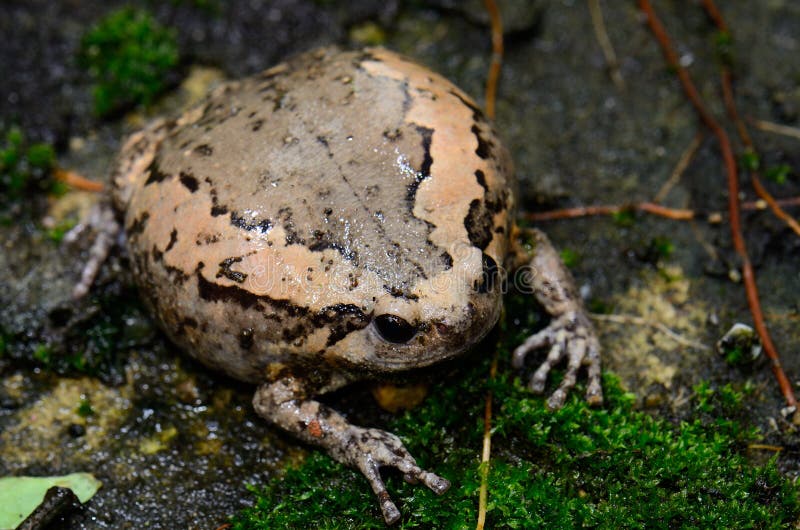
(435, 483)
(594, 388)
(102, 225)
(390, 512)
(534, 342)
(570, 337)
(382, 449)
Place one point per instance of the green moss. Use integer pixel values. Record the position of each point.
(624, 218)
(84, 409)
(723, 45)
(25, 167)
(778, 174)
(129, 57)
(57, 232)
(43, 354)
(611, 467)
(570, 257)
(96, 345)
(750, 160)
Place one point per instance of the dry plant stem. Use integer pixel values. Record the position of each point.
(777, 128)
(680, 168)
(748, 274)
(491, 94)
(765, 447)
(641, 321)
(77, 181)
(486, 452)
(596, 11)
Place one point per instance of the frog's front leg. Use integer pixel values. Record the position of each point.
(285, 403)
(570, 334)
(102, 225)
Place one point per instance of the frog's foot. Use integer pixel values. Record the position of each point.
(570, 336)
(371, 449)
(102, 225)
(284, 403)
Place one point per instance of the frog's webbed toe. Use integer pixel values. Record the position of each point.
(100, 225)
(569, 336)
(371, 449)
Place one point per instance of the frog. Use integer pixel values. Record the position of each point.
(345, 215)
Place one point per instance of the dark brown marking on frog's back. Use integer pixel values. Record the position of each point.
(479, 224)
(292, 321)
(226, 272)
(188, 180)
(425, 168)
(173, 238)
(155, 174)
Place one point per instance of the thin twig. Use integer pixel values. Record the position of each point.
(605, 44)
(586, 211)
(748, 274)
(765, 447)
(655, 209)
(787, 202)
(777, 128)
(77, 181)
(497, 56)
(747, 141)
(641, 321)
(486, 453)
(773, 204)
(680, 168)
(715, 15)
(491, 93)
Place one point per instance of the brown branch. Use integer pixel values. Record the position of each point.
(744, 135)
(748, 274)
(715, 15)
(587, 211)
(773, 204)
(649, 207)
(497, 56)
(760, 205)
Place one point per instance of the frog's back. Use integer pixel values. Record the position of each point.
(302, 196)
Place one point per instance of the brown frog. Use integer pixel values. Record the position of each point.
(341, 216)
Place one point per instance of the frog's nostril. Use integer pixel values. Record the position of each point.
(394, 329)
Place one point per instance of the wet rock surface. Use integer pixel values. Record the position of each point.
(174, 444)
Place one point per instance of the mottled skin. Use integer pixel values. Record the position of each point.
(341, 216)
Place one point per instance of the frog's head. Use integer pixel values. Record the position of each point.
(440, 317)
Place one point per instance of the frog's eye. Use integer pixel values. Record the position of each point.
(394, 329)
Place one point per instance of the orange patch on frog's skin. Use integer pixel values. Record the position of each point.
(314, 429)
